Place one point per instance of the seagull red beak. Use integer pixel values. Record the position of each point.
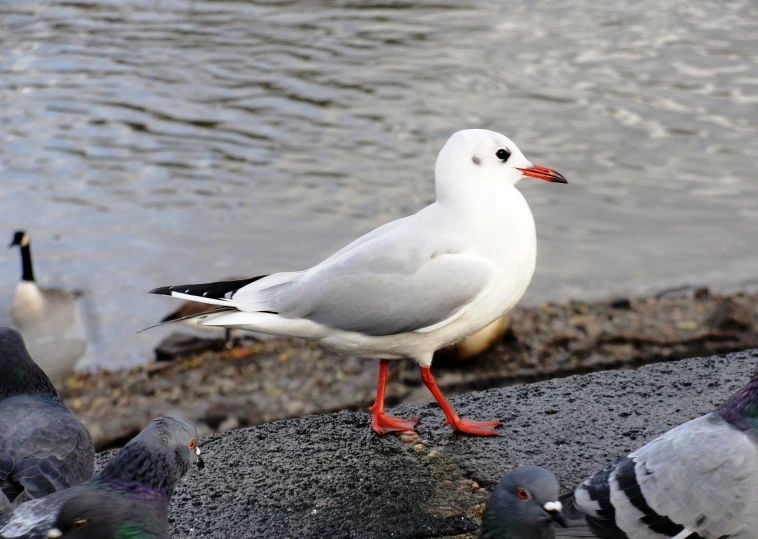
(543, 173)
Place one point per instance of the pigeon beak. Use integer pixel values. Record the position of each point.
(543, 173)
(200, 461)
(54, 533)
(555, 510)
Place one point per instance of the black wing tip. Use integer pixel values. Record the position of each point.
(162, 290)
(215, 290)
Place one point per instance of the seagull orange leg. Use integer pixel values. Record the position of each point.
(481, 428)
(381, 422)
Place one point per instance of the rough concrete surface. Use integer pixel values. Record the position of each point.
(330, 476)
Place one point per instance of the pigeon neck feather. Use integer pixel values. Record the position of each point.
(144, 466)
(22, 376)
(742, 409)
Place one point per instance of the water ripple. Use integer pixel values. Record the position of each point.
(182, 139)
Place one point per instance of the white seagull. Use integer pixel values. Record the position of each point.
(412, 286)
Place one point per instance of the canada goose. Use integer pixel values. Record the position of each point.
(48, 318)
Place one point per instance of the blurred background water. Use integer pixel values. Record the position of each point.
(145, 143)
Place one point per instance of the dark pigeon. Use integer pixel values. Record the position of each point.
(697, 481)
(84, 517)
(524, 505)
(129, 498)
(43, 447)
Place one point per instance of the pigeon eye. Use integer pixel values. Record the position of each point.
(522, 494)
(80, 523)
(503, 155)
(192, 444)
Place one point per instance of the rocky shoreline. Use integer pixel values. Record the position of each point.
(262, 381)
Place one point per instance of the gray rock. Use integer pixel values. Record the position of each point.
(183, 345)
(730, 315)
(331, 476)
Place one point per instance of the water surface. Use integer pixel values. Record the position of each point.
(157, 142)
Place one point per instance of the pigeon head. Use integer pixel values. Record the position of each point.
(157, 457)
(181, 436)
(486, 159)
(523, 505)
(19, 374)
(20, 239)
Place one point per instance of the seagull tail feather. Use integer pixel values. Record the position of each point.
(168, 320)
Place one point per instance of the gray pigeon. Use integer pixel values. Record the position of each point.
(698, 480)
(128, 498)
(85, 517)
(43, 447)
(524, 505)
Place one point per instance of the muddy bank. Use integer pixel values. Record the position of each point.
(260, 382)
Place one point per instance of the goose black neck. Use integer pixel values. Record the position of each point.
(27, 271)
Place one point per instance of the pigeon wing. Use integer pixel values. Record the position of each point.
(9, 488)
(33, 519)
(703, 475)
(50, 448)
(577, 524)
(700, 476)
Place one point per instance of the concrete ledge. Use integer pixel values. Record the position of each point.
(330, 476)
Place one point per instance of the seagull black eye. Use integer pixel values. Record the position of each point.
(503, 155)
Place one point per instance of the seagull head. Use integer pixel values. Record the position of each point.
(488, 160)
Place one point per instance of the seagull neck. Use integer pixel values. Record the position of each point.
(742, 409)
(27, 270)
(497, 202)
